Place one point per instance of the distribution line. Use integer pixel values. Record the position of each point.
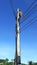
(12, 7)
(29, 14)
(30, 23)
(30, 7)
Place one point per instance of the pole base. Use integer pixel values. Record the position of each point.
(17, 61)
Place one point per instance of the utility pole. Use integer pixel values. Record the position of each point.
(17, 60)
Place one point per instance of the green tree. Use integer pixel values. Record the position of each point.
(30, 63)
(34, 63)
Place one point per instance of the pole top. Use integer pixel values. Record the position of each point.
(20, 12)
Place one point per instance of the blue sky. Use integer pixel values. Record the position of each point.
(28, 37)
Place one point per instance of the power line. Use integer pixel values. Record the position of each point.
(27, 23)
(29, 13)
(25, 17)
(12, 7)
(30, 23)
(30, 7)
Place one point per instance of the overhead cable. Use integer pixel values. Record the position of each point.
(30, 23)
(29, 14)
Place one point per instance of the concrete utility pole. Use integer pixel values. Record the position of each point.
(17, 55)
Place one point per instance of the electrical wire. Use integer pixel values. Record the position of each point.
(30, 23)
(12, 7)
(29, 14)
(30, 7)
(27, 23)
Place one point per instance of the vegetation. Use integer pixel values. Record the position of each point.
(6, 62)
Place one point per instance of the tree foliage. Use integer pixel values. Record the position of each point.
(6, 62)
